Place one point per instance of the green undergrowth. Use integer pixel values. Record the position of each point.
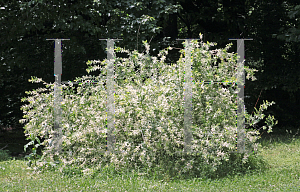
(281, 154)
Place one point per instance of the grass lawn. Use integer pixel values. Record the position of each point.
(281, 152)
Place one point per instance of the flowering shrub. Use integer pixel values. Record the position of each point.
(148, 117)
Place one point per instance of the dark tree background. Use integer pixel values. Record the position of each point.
(273, 25)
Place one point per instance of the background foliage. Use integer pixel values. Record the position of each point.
(273, 25)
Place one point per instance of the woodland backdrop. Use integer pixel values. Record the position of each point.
(25, 25)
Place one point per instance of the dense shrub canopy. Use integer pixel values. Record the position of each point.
(149, 116)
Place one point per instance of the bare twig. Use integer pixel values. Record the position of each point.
(256, 101)
(137, 37)
(4, 147)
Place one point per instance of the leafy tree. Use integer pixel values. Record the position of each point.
(279, 60)
(291, 32)
(26, 25)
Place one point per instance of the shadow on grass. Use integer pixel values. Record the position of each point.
(271, 139)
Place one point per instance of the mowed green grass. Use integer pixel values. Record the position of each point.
(281, 152)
